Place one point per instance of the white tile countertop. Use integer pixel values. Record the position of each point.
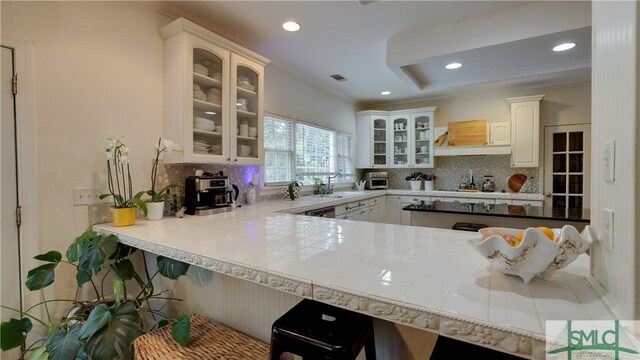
(426, 278)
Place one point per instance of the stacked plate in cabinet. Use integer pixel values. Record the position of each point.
(204, 124)
(201, 147)
(214, 95)
(198, 93)
(200, 69)
(245, 83)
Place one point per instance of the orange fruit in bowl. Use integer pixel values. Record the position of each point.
(520, 235)
(548, 232)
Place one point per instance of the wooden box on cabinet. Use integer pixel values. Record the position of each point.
(525, 130)
(213, 97)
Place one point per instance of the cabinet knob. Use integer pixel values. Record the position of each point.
(228, 159)
(547, 194)
(235, 159)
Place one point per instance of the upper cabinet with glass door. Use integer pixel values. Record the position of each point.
(212, 96)
(401, 150)
(413, 138)
(422, 123)
(372, 145)
(246, 116)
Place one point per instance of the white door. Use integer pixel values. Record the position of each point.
(11, 289)
(567, 166)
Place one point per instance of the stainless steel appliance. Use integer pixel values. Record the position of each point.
(208, 194)
(376, 180)
(488, 185)
(328, 212)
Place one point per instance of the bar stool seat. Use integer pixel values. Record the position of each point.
(315, 330)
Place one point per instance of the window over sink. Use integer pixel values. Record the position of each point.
(295, 150)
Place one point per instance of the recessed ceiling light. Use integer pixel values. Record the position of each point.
(385, 93)
(453, 66)
(210, 112)
(291, 26)
(564, 46)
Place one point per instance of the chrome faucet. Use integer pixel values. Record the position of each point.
(329, 188)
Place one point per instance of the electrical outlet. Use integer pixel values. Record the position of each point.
(606, 236)
(84, 196)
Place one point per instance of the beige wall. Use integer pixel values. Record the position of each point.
(287, 95)
(561, 106)
(99, 73)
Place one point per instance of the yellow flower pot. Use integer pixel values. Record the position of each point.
(124, 216)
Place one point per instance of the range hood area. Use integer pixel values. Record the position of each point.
(473, 137)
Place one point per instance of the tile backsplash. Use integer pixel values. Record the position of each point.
(449, 169)
(240, 175)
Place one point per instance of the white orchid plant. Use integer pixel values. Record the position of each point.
(119, 177)
(163, 146)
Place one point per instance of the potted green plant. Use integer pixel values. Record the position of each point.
(120, 186)
(415, 180)
(155, 205)
(292, 191)
(103, 328)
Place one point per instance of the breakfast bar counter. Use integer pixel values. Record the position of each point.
(426, 278)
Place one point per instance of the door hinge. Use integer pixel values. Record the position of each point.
(19, 215)
(14, 84)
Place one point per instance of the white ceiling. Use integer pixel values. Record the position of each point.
(349, 38)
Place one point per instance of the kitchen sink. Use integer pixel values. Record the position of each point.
(327, 196)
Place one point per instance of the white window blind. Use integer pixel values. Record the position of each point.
(315, 152)
(278, 150)
(344, 160)
(305, 153)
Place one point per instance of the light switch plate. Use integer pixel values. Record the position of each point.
(610, 161)
(606, 236)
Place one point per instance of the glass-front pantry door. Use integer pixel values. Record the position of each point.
(567, 167)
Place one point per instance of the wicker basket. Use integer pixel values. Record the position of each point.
(208, 340)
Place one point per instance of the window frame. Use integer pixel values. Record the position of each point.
(336, 133)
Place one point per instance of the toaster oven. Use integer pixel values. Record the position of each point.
(376, 180)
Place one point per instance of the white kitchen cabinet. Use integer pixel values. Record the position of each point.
(525, 130)
(377, 209)
(213, 97)
(394, 205)
(401, 142)
(499, 133)
(372, 129)
(405, 142)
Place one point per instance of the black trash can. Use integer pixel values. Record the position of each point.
(468, 226)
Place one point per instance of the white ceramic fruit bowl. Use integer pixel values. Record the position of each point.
(536, 254)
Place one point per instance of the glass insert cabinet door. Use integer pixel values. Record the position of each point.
(246, 112)
(208, 109)
(380, 141)
(423, 141)
(401, 139)
(567, 167)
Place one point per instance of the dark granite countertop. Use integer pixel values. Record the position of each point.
(516, 211)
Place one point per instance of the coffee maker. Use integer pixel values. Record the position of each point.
(207, 194)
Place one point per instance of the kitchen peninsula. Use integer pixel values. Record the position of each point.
(404, 274)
